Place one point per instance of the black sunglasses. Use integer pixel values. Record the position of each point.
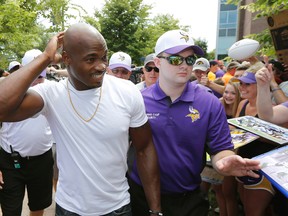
(149, 69)
(178, 60)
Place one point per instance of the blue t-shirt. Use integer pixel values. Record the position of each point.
(182, 132)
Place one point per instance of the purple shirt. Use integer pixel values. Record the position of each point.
(219, 73)
(180, 131)
(285, 104)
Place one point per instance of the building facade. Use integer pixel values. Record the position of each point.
(234, 24)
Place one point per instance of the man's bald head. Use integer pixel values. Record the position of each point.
(81, 34)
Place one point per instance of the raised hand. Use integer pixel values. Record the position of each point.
(53, 46)
(264, 75)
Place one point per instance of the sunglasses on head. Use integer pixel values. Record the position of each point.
(149, 69)
(178, 60)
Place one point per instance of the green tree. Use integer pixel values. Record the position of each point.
(126, 26)
(203, 43)
(121, 23)
(59, 13)
(21, 26)
(18, 29)
(157, 26)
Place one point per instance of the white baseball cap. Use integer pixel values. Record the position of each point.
(29, 56)
(201, 64)
(174, 41)
(13, 64)
(120, 59)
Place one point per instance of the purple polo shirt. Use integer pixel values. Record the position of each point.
(180, 131)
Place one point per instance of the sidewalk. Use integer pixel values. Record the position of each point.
(48, 212)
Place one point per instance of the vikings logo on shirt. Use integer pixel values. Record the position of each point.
(194, 114)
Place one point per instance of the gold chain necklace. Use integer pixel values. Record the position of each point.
(86, 120)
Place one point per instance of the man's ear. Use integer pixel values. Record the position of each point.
(66, 58)
(157, 62)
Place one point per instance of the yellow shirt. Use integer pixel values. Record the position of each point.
(211, 76)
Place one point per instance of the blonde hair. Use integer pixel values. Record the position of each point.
(237, 98)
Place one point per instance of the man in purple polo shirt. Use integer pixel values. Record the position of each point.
(186, 122)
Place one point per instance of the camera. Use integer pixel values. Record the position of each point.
(136, 74)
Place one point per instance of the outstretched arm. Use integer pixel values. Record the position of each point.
(227, 163)
(147, 164)
(17, 103)
(212, 85)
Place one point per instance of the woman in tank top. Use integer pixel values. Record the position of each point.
(256, 193)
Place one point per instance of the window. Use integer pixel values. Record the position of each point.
(231, 32)
(223, 17)
(232, 17)
(222, 32)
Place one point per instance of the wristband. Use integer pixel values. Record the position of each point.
(275, 89)
(155, 213)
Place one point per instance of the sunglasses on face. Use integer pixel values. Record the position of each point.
(149, 69)
(178, 60)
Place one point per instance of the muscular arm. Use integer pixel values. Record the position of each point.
(147, 164)
(17, 103)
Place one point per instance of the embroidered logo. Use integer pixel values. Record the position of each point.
(194, 114)
(200, 63)
(153, 115)
(184, 36)
(121, 57)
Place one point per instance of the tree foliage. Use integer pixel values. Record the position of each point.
(59, 13)
(121, 23)
(18, 31)
(126, 26)
(21, 26)
(263, 8)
